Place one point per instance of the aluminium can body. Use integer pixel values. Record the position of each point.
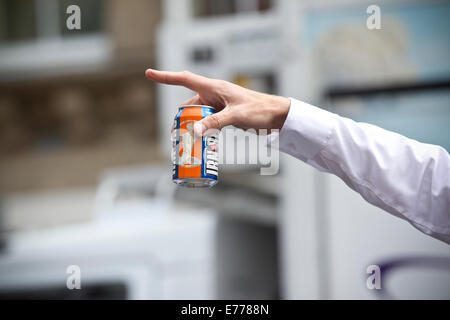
(195, 159)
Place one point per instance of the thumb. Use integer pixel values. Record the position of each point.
(215, 121)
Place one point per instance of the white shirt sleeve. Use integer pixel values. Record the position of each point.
(407, 178)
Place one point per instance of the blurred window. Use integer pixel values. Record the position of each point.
(91, 18)
(29, 20)
(17, 20)
(205, 8)
(35, 41)
(264, 82)
(94, 291)
(422, 114)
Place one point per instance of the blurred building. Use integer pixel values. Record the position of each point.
(74, 102)
(322, 52)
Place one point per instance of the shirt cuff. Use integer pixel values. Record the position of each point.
(306, 131)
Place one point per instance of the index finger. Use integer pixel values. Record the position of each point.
(187, 79)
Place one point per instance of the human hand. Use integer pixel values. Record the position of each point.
(234, 105)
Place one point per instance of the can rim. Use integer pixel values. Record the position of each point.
(195, 105)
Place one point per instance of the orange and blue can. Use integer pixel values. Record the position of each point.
(195, 159)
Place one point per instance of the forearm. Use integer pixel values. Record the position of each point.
(402, 176)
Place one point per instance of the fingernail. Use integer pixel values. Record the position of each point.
(199, 129)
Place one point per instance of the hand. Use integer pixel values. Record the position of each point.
(234, 105)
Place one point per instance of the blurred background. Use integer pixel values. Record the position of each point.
(85, 175)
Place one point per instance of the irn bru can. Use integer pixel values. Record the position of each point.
(195, 159)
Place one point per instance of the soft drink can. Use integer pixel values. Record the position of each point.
(195, 159)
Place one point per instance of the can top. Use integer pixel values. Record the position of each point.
(195, 105)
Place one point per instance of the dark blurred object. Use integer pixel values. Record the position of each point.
(2, 234)
(14, 135)
(203, 54)
(105, 291)
(204, 8)
(337, 92)
(17, 20)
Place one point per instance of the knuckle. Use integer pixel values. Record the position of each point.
(183, 76)
(238, 113)
(222, 90)
(234, 116)
(222, 85)
(240, 117)
(215, 121)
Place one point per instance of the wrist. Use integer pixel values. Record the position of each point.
(281, 110)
